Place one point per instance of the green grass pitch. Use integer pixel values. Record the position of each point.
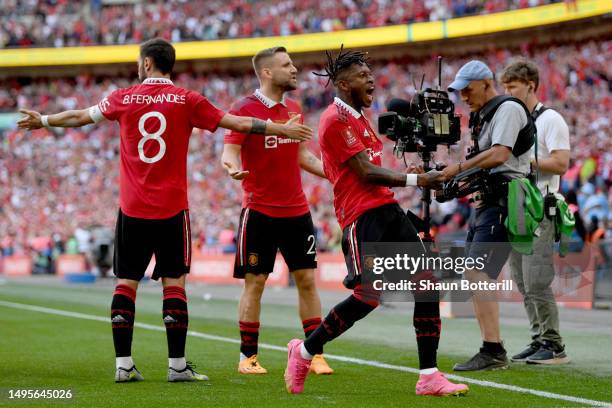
(46, 351)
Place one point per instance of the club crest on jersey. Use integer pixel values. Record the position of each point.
(253, 259)
(349, 137)
(271, 142)
(369, 262)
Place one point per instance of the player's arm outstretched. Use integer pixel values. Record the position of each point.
(70, 118)
(310, 162)
(231, 161)
(248, 125)
(360, 163)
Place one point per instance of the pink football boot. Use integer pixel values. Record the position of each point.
(437, 385)
(297, 368)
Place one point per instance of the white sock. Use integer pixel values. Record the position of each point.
(177, 363)
(305, 354)
(124, 362)
(243, 357)
(428, 371)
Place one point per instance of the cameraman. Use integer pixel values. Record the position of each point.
(495, 138)
(534, 273)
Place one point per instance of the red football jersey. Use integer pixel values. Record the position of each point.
(274, 184)
(156, 120)
(344, 132)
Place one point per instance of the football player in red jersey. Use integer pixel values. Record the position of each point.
(368, 212)
(156, 120)
(275, 212)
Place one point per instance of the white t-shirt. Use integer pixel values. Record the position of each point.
(553, 134)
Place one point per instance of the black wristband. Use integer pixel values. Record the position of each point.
(258, 127)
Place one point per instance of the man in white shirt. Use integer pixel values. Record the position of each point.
(534, 273)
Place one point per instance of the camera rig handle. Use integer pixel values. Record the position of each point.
(463, 184)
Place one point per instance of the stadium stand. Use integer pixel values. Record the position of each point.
(72, 23)
(43, 202)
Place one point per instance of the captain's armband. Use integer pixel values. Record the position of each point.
(258, 126)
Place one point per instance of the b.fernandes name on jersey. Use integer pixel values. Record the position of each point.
(148, 99)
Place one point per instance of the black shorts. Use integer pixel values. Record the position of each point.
(261, 236)
(137, 239)
(388, 223)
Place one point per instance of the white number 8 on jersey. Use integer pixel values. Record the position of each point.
(152, 136)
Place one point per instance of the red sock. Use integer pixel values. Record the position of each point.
(122, 319)
(249, 336)
(310, 325)
(176, 320)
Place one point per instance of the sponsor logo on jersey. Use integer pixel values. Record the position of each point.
(286, 140)
(271, 142)
(372, 154)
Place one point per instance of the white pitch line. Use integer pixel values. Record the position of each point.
(353, 360)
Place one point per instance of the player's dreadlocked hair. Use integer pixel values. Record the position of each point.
(343, 60)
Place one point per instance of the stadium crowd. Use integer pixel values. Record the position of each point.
(61, 23)
(53, 183)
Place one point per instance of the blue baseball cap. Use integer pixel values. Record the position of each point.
(471, 71)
